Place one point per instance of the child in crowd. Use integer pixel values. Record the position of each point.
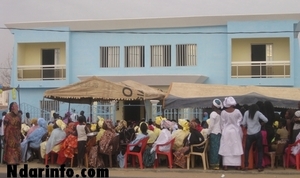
(81, 139)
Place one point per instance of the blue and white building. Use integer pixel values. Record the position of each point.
(247, 49)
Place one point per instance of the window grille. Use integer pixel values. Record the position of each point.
(160, 55)
(186, 55)
(134, 56)
(110, 56)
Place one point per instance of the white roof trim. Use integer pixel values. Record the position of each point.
(155, 80)
(150, 23)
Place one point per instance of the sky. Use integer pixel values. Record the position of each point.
(16, 11)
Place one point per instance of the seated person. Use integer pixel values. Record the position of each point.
(281, 134)
(57, 136)
(139, 136)
(195, 137)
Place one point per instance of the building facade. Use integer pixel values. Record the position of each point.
(232, 50)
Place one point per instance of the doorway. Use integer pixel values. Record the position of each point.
(133, 110)
(48, 58)
(258, 54)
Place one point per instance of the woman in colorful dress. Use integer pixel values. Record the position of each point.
(194, 137)
(214, 132)
(12, 135)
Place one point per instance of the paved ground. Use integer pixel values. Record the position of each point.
(177, 173)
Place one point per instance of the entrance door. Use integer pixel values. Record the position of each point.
(48, 58)
(258, 54)
(132, 110)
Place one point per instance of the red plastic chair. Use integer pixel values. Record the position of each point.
(52, 154)
(298, 161)
(169, 154)
(288, 154)
(139, 154)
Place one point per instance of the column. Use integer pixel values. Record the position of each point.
(154, 109)
(112, 110)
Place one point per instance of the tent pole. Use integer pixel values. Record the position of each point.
(69, 106)
(43, 109)
(91, 111)
(19, 100)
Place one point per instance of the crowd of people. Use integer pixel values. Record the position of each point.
(226, 126)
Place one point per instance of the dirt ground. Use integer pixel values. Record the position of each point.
(210, 174)
(164, 172)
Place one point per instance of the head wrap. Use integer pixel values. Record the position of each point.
(50, 128)
(34, 121)
(297, 113)
(276, 124)
(61, 124)
(109, 124)
(100, 121)
(158, 120)
(184, 124)
(122, 124)
(25, 128)
(208, 121)
(205, 116)
(229, 101)
(42, 123)
(93, 127)
(193, 124)
(218, 103)
(167, 124)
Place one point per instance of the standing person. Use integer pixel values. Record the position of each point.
(27, 118)
(214, 132)
(81, 139)
(231, 147)
(251, 122)
(296, 127)
(73, 116)
(12, 135)
(82, 114)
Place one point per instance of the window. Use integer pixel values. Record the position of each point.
(110, 56)
(46, 107)
(160, 55)
(134, 56)
(186, 55)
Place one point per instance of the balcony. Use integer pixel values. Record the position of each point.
(260, 69)
(41, 72)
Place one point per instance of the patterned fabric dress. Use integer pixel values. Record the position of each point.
(12, 137)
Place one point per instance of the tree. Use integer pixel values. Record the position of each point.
(5, 71)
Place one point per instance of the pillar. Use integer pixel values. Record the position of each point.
(154, 109)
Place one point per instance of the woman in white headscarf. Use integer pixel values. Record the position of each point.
(231, 147)
(164, 136)
(214, 132)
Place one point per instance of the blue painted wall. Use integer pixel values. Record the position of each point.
(213, 53)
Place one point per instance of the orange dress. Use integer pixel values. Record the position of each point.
(12, 139)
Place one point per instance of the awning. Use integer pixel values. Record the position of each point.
(150, 93)
(189, 95)
(93, 89)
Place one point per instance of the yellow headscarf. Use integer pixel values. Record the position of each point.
(50, 128)
(93, 127)
(61, 124)
(184, 124)
(158, 120)
(34, 121)
(122, 124)
(100, 121)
